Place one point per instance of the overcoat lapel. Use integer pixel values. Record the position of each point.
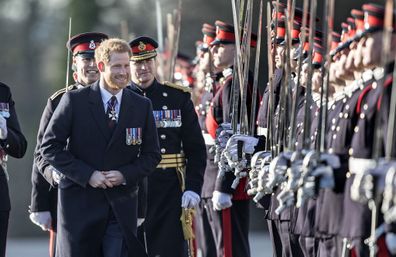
(97, 110)
(124, 115)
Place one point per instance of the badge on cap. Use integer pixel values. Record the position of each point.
(142, 46)
(5, 110)
(92, 45)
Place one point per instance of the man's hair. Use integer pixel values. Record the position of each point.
(102, 53)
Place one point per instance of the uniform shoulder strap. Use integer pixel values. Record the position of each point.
(182, 88)
(60, 92)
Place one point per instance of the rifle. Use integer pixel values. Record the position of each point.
(246, 41)
(308, 100)
(294, 111)
(68, 59)
(256, 71)
(160, 38)
(237, 76)
(175, 45)
(325, 78)
(271, 58)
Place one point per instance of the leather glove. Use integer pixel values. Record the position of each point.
(42, 219)
(3, 128)
(190, 199)
(390, 240)
(140, 221)
(221, 201)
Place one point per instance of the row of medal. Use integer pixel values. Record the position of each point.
(134, 136)
(167, 118)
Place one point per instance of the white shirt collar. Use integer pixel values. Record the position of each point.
(106, 95)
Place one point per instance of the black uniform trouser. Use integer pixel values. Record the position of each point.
(275, 238)
(240, 228)
(4, 215)
(290, 243)
(211, 234)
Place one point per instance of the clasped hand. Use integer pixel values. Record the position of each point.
(106, 179)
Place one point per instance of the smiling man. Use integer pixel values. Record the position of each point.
(103, 140)
(177, 181)
(44, 192)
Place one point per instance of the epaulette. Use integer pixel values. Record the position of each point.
(182, 88)
(60, 92)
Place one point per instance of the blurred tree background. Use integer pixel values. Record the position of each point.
(33, 58)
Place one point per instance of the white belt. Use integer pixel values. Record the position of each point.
(360, 165)
(208, 139)
(261, 131)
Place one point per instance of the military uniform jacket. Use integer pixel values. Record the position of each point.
(14, 145)
(44, 193)
(222, 110)
(178, 129)
(362, 147)
(77, 142)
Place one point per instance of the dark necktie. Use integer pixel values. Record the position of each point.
(111, 113)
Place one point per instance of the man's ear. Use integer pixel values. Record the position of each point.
(101, 66)
(75, 76)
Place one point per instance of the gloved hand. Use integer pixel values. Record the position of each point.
(3, 128)
(390, 240)
(42, 219)
(221, 200)
(190, 199)
(140, 221)
(56, 175)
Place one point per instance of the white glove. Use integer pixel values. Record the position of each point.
(42, 219)
(221, 201)
(3, 128)
(190, 199)
(140, 221)
(56, 175)
(390, 240)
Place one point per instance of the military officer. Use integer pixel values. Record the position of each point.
(44, 193)
(177, 181)
(13, 143)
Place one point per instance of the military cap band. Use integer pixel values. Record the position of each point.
(143, 48)
(91, 46)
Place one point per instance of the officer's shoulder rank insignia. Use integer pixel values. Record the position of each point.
(60, 92)
(182, 88)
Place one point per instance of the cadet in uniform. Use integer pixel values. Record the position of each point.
(13, 143)
(44, 193)
(233, 203)
(211, 223)
(177, 181)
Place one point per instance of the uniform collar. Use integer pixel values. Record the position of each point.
(150, 89)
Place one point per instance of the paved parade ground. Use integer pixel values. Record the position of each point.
(260, 246)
